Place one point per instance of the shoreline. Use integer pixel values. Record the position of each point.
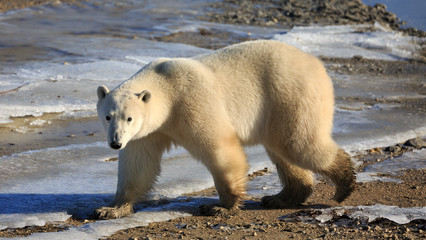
(253, 221)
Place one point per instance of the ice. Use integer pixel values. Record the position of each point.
(69, 85)
(55, 88)
(78, 49)
(360, 215)
(51, 184)
(68, 88)
(324, 217)
(105, 228)
(393, 166)
(54, 183)
(39, 219)
(355, 145)
(39, 122)
(393, 213)
(347, 41)
(268, 184)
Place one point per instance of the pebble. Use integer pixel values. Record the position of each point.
(393, 149)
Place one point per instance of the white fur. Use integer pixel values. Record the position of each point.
(260, 92)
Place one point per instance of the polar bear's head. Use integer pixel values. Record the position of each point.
(122, 114)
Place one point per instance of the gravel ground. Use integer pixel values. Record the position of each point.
(305, 12)
(254, 222)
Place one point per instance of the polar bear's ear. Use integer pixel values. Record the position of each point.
(102, 92)
(145, 95)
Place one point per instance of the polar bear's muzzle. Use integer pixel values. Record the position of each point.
(115, 142)
(115, 145)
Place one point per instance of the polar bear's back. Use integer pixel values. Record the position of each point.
(261, 57)
(269, 82)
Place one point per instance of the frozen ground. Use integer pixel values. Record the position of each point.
(66, 86)
(51, 184)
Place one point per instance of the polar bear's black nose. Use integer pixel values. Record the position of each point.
(115, 145)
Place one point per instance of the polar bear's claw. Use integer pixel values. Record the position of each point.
(104, 213)
(215, 210)
(276, 202)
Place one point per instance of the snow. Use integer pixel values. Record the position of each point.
(347, 41)
(359, 215)
(393, 166)
(371, 213)
(68, 86)
(382, 140)
(51, 184)
(38, 219)
(52, 180)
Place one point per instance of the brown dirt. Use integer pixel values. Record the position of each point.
(254, 222)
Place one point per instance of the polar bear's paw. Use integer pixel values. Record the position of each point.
(277, 202)
(118, 211)
(215, 210)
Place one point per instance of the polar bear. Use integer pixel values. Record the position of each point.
(259, 92)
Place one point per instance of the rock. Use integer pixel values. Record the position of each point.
(357, 57)
(393, 149)
(416, 143)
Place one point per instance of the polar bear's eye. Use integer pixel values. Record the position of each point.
(108, 118)
(129, 119)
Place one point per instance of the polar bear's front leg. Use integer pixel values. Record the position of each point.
(228, 165)
(138, 167)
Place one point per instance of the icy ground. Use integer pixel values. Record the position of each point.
(52, 184)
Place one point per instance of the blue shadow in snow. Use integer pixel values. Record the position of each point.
(82, 205)
(74, 204)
